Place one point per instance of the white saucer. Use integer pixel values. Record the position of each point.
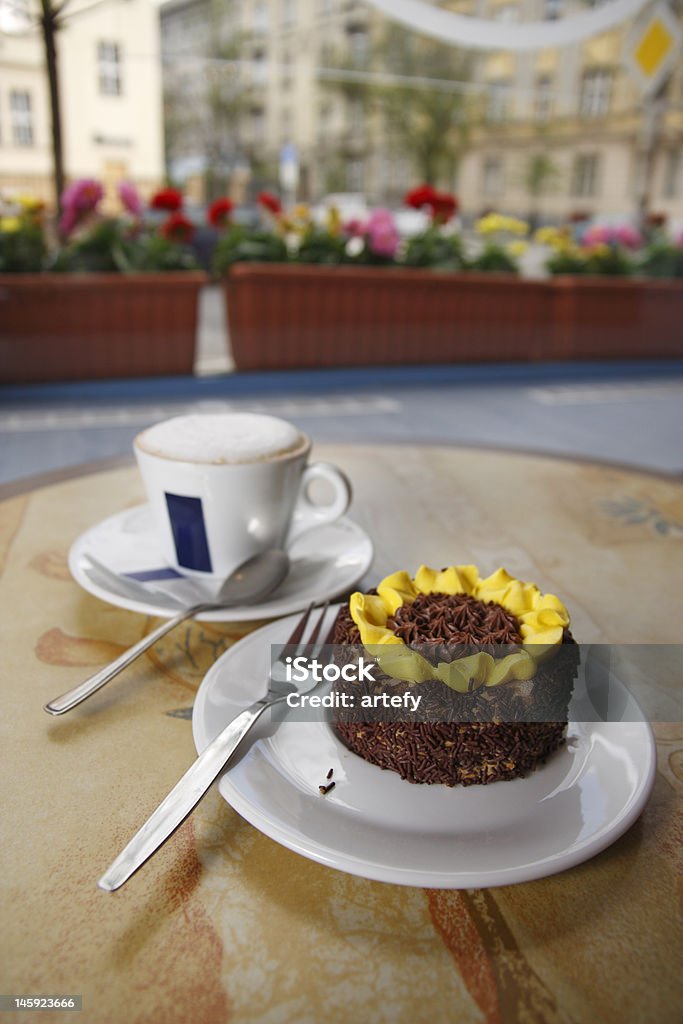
(375, 825)
(325, 562)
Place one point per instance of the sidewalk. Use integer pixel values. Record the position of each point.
(213, 346)
(627, 413)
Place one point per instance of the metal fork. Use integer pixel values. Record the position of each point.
(187, 793)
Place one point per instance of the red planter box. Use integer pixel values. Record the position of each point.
(71, 327)
(617, 318)
(284, 316)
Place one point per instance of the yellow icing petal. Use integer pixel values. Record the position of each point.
(370, 615)
(519, 597)
(497, 581)
(515, 666)
(550, 602)
(535, 639)
(396, 590)
(399, 662)
(457, 579)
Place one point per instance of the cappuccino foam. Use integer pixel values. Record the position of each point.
(228, 438)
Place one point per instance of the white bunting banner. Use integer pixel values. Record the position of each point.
(480, 34)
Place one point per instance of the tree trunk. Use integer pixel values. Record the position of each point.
(50, 24)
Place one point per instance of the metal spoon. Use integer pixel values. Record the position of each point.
(251, 582)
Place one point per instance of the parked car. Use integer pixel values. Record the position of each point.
(350, 205)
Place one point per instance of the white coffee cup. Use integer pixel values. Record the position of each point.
(223, 487)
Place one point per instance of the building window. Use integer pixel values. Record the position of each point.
(22, 117)
(356, 113)
(596, 91)
(498, 100)
(258, 68)
(585, 175)
(359, 48)
(543, 98)
(258, 123)
(286, 70)
(355, 172)
(493, 179)
(109, 68)
(553, 9)
(259, 18)
(285, 125)
(673, 172)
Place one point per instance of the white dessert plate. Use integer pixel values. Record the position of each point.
(325, 562)
(376, 825)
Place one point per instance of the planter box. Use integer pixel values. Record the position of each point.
(71, 327)
(617, 318)
(286, 316)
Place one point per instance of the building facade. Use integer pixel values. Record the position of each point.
(549, 134)
(110, 90)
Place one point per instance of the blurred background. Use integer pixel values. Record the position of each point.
(321, 98)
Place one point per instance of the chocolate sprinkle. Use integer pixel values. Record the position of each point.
(487, 735)
(454, 619)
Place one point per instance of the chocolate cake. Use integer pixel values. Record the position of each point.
(496, 704)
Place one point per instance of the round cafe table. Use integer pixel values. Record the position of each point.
(223, 924)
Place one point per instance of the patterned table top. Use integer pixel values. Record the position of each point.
(226, 925)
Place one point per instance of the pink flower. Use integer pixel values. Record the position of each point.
(82, 195)
(623, 235)
(679, 240)
(599, 235)
(68, 221)
(79, 199)
(383, 236)
(129, 196)
(628, 237)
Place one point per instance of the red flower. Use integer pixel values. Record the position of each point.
(441, 205)
(167, 199)
(444, 206)
(421, 196)
(269, 202)
(218, 213)
(177, 228)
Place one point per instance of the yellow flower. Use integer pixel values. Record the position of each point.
(10, 225)
(297, 221)
(301, 212)
(489, 224)
(548, 236)
(334, 221)
(493, 223)
(517, 248)
(30, 203)
(518, 227)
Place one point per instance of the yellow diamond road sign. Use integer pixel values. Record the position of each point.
(652, 47)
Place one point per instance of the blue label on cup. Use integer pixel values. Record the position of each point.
(189, 532)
